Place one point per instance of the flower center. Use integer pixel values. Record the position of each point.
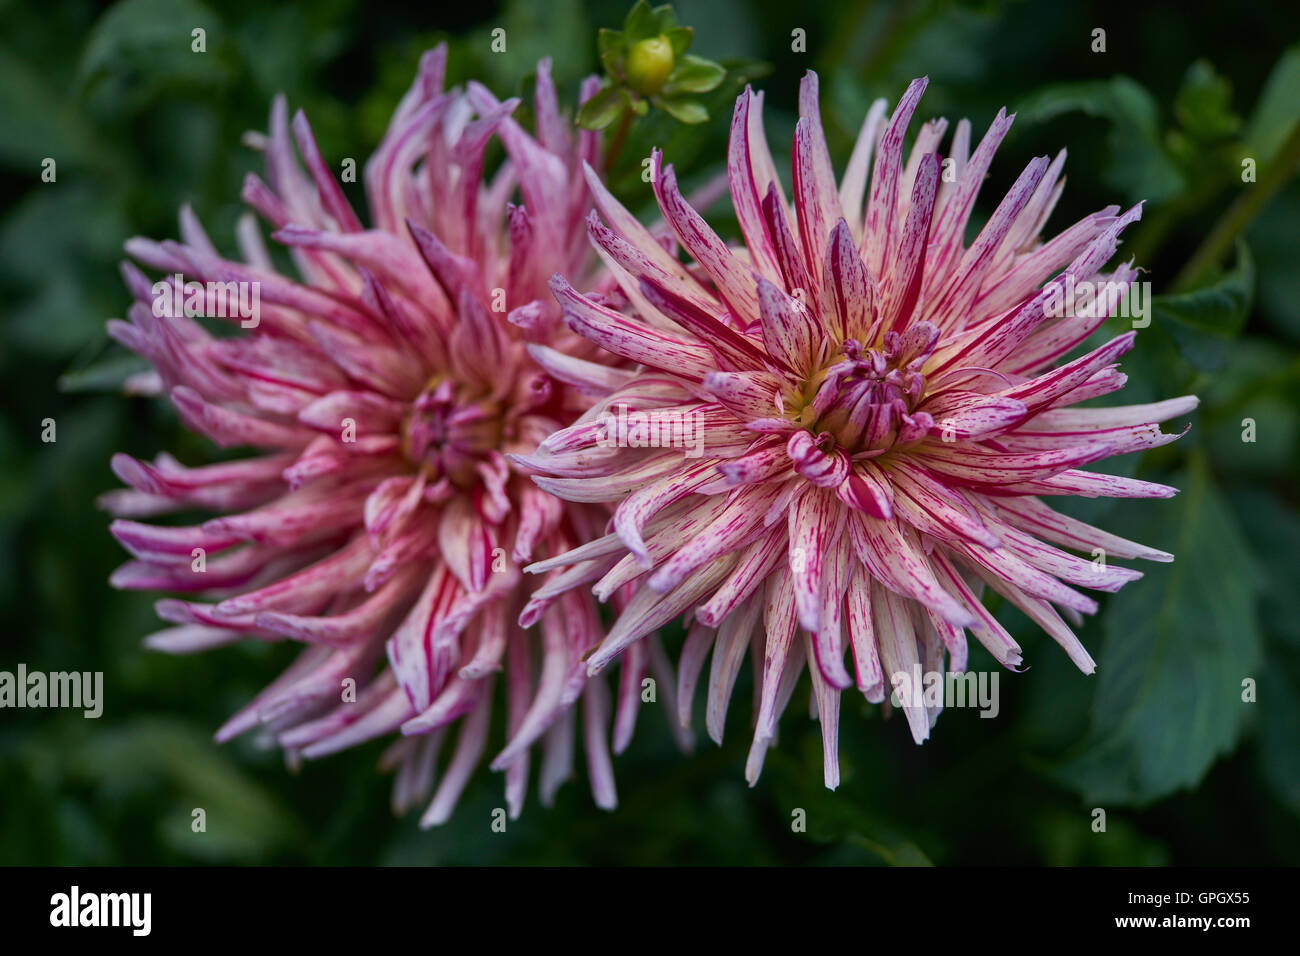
(863, 404)
(450, 431)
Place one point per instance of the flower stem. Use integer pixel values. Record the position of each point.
(1240, 214)
(620, 135)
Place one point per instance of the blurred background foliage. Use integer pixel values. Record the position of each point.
(1160, 737)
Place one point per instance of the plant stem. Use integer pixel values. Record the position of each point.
(1240, 214)
(620, 135)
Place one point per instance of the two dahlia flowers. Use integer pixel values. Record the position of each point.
(880, 409)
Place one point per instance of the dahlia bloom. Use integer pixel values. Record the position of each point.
(382, 525)
(877, 413)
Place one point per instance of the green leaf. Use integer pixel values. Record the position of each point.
(36, 122)
(1138, 164)
(641, 22)
(1203, 321)
(243, 820)
(1275, 539)
(602, 109)
(152, 40)
(1177, 646)
(1279, 757)
(665, 18)
(1204, 104)
(681, 39)
(607, 40)
(694, 74)
(683, 110)
(1278, 108)
(106, 375)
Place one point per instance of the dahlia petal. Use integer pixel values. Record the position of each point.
(1042, 614)
(1033, 516)
(893, 556)
(969, 464)
(456, 698)
(899, 655)
(190, 639)
(853, 185)
(638, 343)
(909, 266)
(669, 535)
(964, 284)
(849, 289)
(954, 211)
(248, 717)
(1096, 419)
(862, 637)
(738, 524)
(866, 490)
(556, 665)
(650, 609)
(627, 226)
(971, 415)
(637, 508)
(578, 372)
(1067, 567)
(1089, 484)
(827, 698)
(734, 284)
(353, 625)
(350, 724)
(933, 509)
(493, 634)
(749, 394)
(813, 523)
(387, 256)
(734, 347)
(1012, 572)
(519, 678)
(880, 226)
(410, 650)
(595, 715)
(827, 646)
(557, 758)
(816, 197)
(331, 195)
(780, 622)
(150, 543)
(746, 194)
(755, 564)
(728, 654)
(470, 745)
(629, 695)
(1041, 263)
(790, 332)
(369, 412)
(229, 428)
(794, 269)
(926, 144)
(308, 588)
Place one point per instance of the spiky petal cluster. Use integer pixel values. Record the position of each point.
(382, 527)
(882, 413)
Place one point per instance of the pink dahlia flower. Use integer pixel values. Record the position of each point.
(873, 413)
(382, 526)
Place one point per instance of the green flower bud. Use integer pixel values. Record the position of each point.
(648, 64)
